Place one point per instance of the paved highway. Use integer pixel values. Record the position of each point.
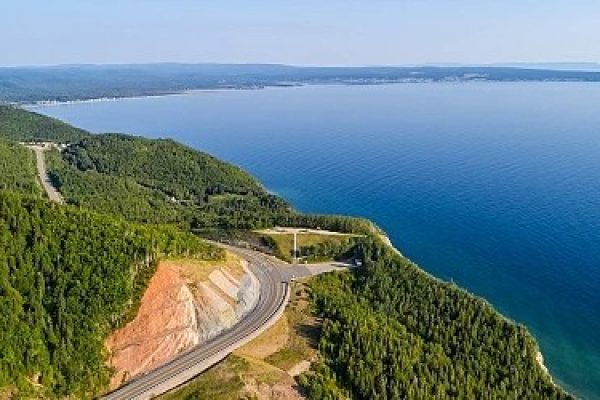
(273, 276)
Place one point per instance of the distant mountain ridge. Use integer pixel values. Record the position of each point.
(558, 66)
(84, 82)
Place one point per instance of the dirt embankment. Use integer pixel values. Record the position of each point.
(186, 303)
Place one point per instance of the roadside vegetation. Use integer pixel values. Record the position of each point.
(236, 377)
(69, 277)
(302, 340)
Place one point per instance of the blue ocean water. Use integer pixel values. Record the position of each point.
(495, 186)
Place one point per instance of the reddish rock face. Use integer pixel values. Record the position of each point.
(179, 310)
(165, 325)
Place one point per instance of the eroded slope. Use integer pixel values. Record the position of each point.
(186, 303)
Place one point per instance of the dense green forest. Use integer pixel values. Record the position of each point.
(391, 331)
(67, 278)
(108, 194)
(161, 181)
(20, 125)
(178, 171)
(17, 169)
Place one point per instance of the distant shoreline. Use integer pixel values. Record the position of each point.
(291, 84)
(51, 103)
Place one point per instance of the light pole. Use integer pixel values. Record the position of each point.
(295, 247)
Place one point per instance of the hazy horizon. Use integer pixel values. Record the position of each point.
(558, 65)
(337, 33)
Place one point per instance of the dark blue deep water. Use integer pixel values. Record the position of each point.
(493, 185)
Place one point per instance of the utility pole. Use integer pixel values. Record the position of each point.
(295, 247)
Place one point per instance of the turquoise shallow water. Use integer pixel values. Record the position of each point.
(493, 185)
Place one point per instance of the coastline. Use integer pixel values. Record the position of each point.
(385, 238)
(283, 84)
(53, 103)
(539, 357)
(186, 92)
(175, 93)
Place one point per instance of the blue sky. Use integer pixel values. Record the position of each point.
(307, 32)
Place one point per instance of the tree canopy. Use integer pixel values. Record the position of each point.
(20, 125)
(392, 332)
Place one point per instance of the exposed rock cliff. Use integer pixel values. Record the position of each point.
(186, 303)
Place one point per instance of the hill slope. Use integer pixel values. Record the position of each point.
(161, 181)
(20, 125)
(176, 170)
(67, 278)
(392, 331)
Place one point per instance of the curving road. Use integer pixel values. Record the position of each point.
(273, 276)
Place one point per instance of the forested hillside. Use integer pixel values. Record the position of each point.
(67, 278)
(161, 181)
(176, 170)
(17, 169)
(392, 332)
(116, 195)
(20, 125)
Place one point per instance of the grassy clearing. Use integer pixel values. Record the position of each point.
(304, 331)
(224, 198)
(236, 377)
(292, 339)
(199, 270)
(271, 341)
(284, 243)
(222, 382)
(8, 393)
